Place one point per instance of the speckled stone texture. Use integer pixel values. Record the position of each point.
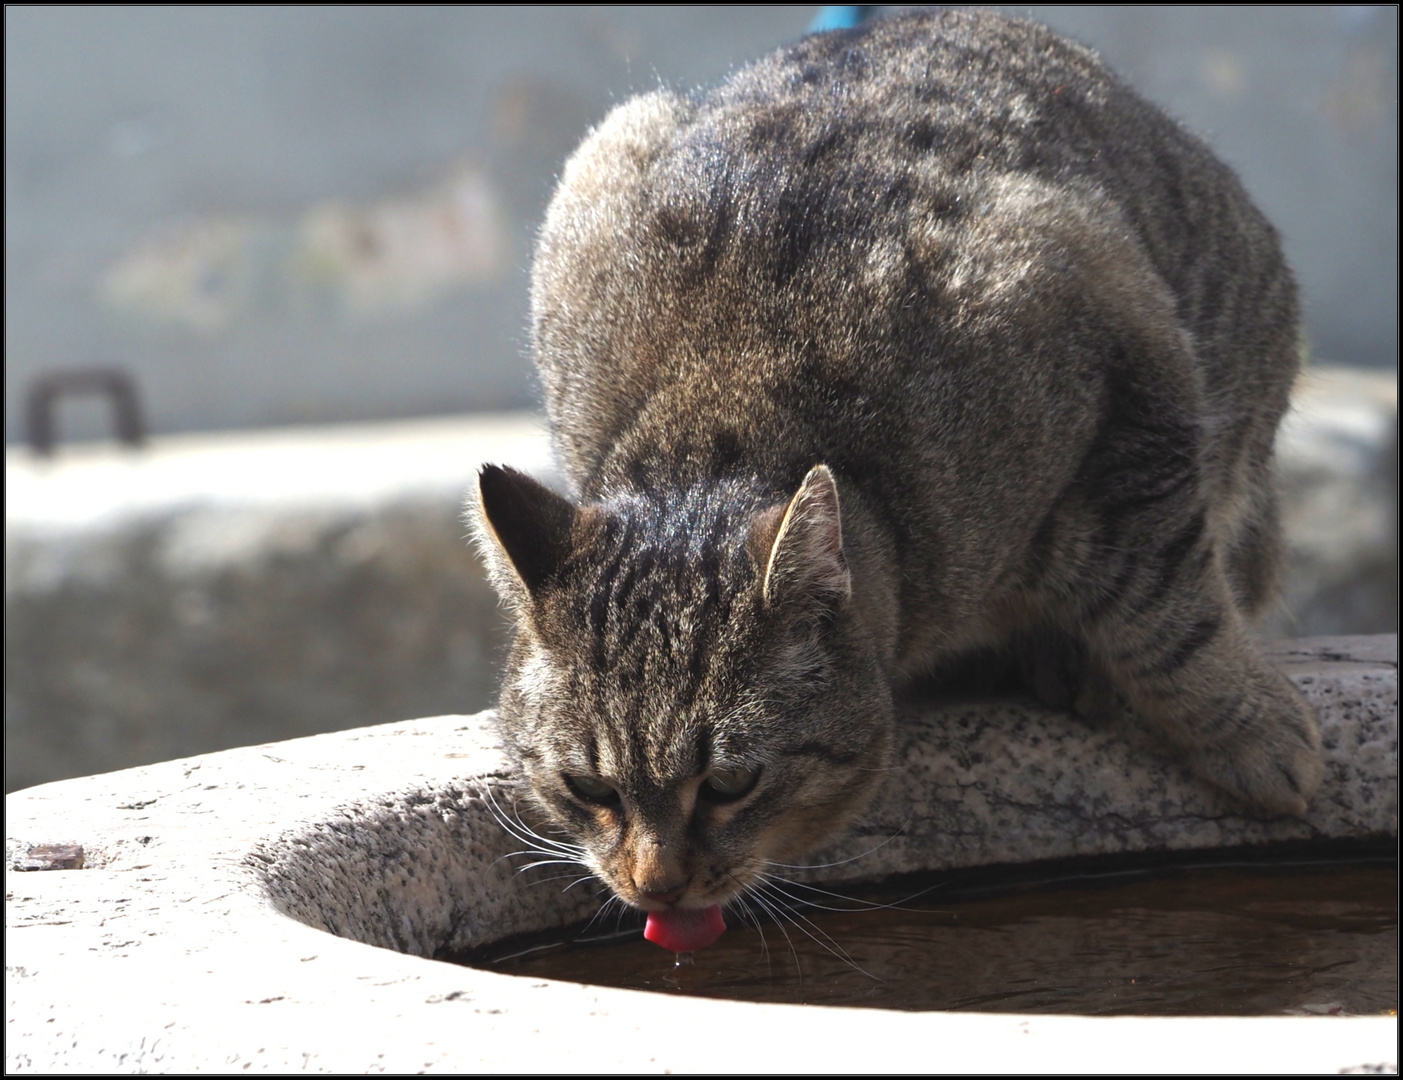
(1008, 782)
(172, 950)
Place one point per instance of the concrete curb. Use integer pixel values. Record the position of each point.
(173, 950)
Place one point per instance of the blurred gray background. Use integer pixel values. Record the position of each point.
(274, 216)
(288, 214)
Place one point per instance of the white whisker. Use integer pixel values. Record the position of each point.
(843, 862)
(543, 850)
(584, 877)
(858, 903)
(548, 862)
(743, 910)
(518, 829)
(778, 921)
(827, 942)
(609, 902)
(547, 880)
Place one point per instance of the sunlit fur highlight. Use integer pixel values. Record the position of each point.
(904, 342)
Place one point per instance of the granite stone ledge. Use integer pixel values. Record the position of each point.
(1005, 781)
(196, 934)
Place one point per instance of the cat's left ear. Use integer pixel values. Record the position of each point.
(804, 545)
(523, 531)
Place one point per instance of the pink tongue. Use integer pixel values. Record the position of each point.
(685, 929)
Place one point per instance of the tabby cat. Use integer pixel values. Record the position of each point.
(910, 340)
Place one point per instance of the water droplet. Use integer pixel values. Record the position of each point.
(683, 959)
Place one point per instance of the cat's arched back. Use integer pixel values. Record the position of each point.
(939, 309)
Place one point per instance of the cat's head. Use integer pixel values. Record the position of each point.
(691, 694)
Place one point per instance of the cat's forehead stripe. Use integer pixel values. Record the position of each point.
(655, 611)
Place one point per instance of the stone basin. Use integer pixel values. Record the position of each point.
(274, 907)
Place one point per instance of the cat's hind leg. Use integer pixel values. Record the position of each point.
(1160, 618)
(1238, 722)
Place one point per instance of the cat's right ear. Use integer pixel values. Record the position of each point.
(801, 545)
(523, 531)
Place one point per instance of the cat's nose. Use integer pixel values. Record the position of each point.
(656, 872)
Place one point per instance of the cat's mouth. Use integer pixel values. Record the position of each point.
(684, 923)
(685, 930)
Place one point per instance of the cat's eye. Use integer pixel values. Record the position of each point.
(725, 784)
(592, 789)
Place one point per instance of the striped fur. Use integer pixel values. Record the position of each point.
(905, 341)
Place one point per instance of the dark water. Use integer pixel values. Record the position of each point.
(1300, 937)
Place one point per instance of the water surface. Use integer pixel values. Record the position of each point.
(1296, 937)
